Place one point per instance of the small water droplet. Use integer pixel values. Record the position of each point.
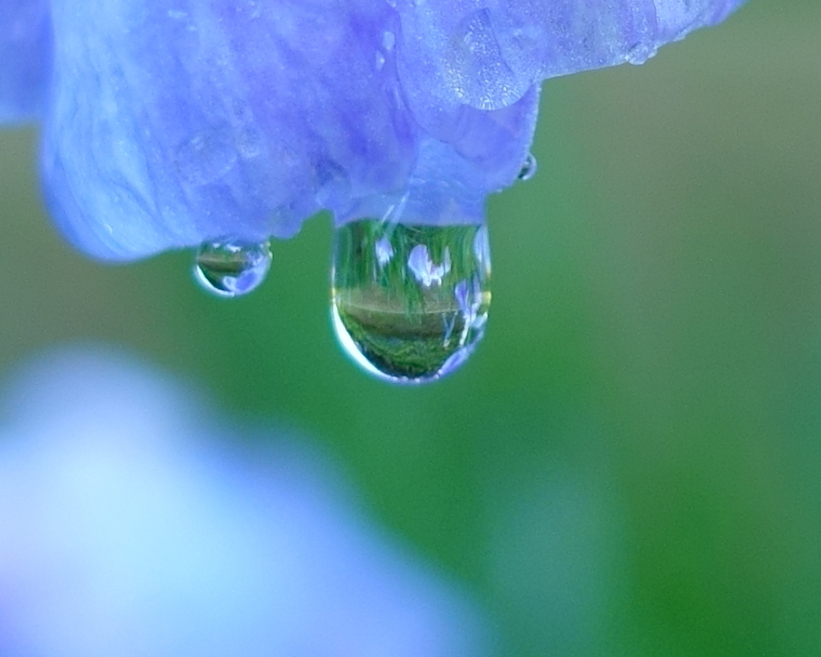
(640, 53)
(529, 168)
(380, 60)
(229, 269)
(410, 302)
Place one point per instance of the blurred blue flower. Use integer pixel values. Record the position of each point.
(129, 528)
(173, 122)
(25, 58)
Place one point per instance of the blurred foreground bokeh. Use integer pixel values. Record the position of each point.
(131, 525)
(629, 465)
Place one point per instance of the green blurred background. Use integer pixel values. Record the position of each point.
(631, 463)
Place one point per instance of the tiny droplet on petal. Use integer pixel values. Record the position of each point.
(640, 53)
(416, 314)
(529, 168)
(229, 269)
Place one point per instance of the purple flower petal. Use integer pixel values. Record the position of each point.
(174, 123)
(488, 54)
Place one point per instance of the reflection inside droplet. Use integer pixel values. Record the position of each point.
(425, 270)
(410, 302)
(229, 269)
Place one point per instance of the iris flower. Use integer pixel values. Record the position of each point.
(129, 527)
(175, 123)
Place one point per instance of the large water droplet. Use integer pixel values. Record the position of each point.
(229, 269)
(410, 302)
(529, 168)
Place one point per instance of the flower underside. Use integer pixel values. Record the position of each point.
(168, 123)
(172, 124)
